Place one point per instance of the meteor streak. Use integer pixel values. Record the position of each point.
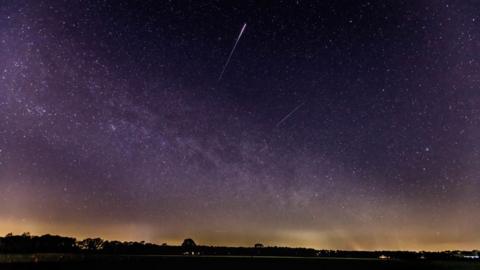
(290, 114)
(231, 52)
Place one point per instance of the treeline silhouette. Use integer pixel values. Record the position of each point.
(27, 243)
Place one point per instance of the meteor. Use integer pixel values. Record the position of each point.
(290, 114)
(231, 52)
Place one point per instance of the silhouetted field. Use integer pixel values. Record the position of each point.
(58, 252)
(78, 261)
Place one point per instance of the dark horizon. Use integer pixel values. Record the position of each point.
(189, 244)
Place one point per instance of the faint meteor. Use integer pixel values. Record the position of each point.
(231, 52)
(290, 114)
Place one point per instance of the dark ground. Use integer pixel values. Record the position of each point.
(56, 261)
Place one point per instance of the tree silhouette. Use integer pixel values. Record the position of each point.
(189, 243)
(189, 246)
(91, 244)
(26, 243)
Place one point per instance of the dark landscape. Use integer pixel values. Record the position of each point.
(57, 252)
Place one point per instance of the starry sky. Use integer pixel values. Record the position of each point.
(335, 124)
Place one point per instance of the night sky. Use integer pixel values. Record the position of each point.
(334, 124)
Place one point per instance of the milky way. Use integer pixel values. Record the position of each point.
(113, 123)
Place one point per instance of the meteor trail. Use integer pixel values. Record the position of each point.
(290, 114)
(231, 52)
